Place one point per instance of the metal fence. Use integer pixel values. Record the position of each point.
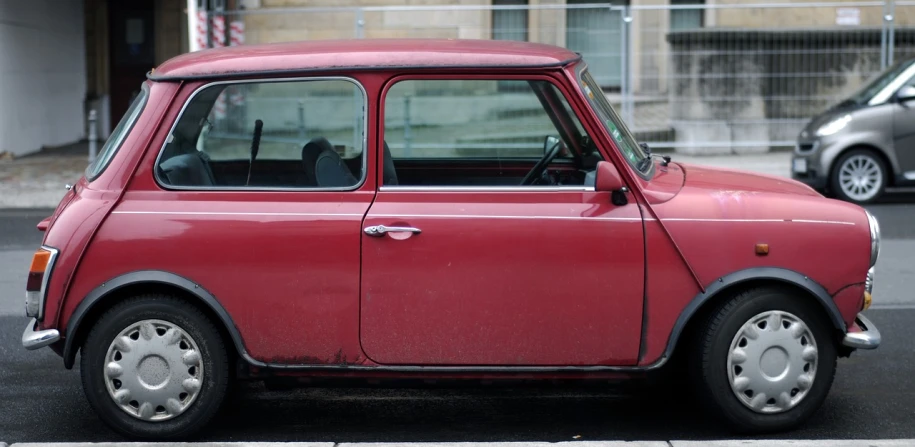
(699, 78)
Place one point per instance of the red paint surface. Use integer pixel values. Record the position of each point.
(496, 278)
(369, 53)
(86, 205)
(503, 279)
(849, 301)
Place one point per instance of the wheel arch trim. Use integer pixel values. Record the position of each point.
(138, 277)
(772, 274)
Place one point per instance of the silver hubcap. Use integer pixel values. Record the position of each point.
(153, 370)
(772, 362)
(860, 177)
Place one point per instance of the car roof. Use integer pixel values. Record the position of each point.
(360, 54)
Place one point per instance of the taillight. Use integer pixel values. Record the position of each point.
(37, 283)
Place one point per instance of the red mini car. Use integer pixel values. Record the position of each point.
(430, 209)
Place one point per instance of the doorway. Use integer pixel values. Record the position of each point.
(132, 50)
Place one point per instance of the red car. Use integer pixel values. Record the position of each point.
(431, 209)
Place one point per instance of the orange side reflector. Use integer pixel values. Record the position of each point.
(40, 261)
(762, 249)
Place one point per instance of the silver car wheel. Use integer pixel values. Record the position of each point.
(153, 370)
(772, 362)
(860, 177)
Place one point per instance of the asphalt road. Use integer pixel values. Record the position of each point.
(873, 396)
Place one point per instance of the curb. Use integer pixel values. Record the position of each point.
(710, 443)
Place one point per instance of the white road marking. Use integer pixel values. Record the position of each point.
(570, 443)
(800, 443)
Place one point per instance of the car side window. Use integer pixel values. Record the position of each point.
(477, 132)
(305, 134)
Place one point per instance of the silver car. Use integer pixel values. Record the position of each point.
(864, 144)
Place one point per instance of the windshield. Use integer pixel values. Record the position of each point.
(875, 85)
(627, 144)
(106, 153)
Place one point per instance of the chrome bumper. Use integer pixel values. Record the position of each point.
(867, 338)
(32, 339)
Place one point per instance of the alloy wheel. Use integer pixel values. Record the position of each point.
(860, 177)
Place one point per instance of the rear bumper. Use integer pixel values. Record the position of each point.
(32, 339)
(862, 334)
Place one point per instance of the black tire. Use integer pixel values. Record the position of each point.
(709, 362)
(213, 355)
(836, 187)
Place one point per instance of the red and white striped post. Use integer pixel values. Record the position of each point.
(219, 41)
(197, 27)
(236, 37)
(236, 32)
(202, 29)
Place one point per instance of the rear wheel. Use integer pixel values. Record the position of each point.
(155, 367)
(766, 360)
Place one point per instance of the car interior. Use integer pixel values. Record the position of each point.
(569, 158)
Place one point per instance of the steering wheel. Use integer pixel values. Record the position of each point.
(542, 164)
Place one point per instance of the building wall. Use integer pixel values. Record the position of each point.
(42, 74)
(801, 17)
(171, 29)
(171, 39)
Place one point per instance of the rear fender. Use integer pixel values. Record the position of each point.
(97, 297)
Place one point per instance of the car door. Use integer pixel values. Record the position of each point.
(494, 275)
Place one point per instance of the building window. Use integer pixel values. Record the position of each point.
(686, 19)
(509, 24)
(597, 33)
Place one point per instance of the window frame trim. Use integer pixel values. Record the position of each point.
(576, 77)
(380, 134)
(365, 145)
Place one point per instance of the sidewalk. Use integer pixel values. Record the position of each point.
(37, 181)
(671, 443)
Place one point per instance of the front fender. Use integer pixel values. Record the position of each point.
(769, 274)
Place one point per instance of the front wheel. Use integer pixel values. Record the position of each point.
(766, 360)
(155, 367)
(859, 176)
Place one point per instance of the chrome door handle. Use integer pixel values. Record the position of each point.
(381, 230)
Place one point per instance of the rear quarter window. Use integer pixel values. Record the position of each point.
(120, 132)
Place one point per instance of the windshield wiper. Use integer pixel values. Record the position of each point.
(665, 159)
(644, 164)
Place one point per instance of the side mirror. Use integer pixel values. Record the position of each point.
(608, 179)
(549, 142)
(907, 92)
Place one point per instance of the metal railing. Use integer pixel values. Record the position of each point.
(699, 78)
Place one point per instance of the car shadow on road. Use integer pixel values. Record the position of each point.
(476, 414)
